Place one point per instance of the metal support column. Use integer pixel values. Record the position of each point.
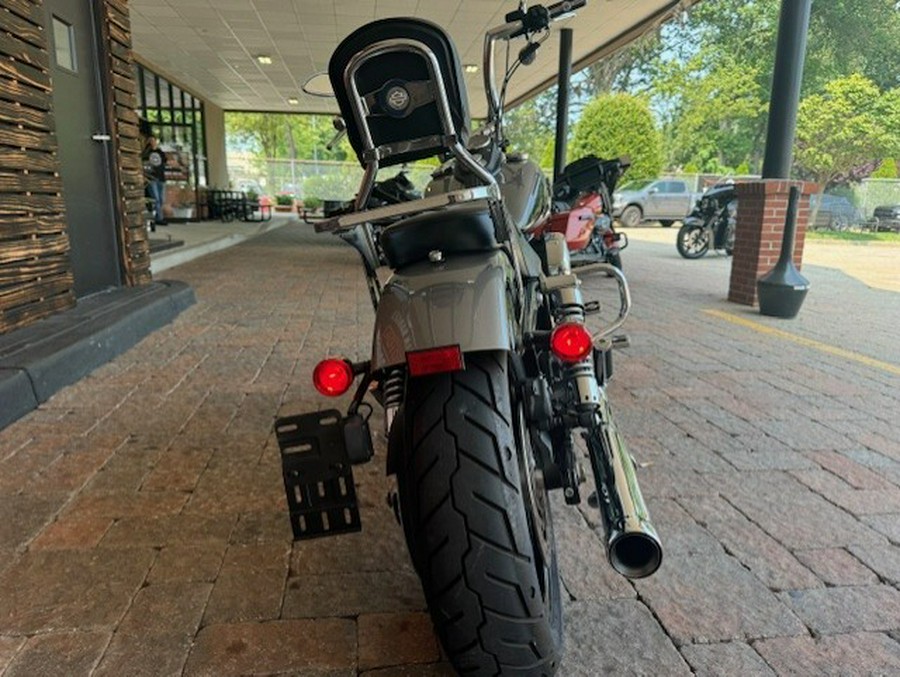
(562, 101)
(789, 56)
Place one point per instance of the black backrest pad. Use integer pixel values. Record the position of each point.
(404, 66)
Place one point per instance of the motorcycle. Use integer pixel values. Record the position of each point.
(583, 210)
(481, 359)
(712, 221)
(393, 190)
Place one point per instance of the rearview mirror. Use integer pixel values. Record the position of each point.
(319, 85)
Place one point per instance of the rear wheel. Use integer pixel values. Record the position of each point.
(693, 241)
(477, 522)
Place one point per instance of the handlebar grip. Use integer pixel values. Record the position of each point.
(538, 17)
(558, 9)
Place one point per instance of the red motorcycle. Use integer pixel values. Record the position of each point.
(582, 198)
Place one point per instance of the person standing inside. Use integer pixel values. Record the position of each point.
(155, 172)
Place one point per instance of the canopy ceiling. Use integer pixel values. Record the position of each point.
(211, 46)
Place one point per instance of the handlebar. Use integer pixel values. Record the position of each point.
(518, 23)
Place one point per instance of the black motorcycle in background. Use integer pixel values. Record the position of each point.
(710, 223)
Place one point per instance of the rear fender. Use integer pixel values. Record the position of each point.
(464, 301)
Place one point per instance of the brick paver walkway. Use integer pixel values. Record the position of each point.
(143, 530)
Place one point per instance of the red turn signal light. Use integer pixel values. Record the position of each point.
(571, 342)
(333, 377)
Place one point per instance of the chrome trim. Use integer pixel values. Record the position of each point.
(346, 221)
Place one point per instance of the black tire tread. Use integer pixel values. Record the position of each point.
(460, 496)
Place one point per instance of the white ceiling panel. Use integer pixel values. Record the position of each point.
(211, 45)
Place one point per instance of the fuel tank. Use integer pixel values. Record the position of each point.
(525, 189)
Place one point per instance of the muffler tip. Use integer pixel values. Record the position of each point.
(635, 555)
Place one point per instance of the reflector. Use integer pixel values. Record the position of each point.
(333, 376)
(571, 342)
(434, 360)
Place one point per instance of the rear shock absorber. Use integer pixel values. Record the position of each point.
(393, 388)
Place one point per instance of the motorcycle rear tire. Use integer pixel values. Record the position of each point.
(692, 249)
(490, 579)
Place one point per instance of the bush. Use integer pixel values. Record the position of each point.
(284, 200)
(311, 203)
(887, 169)
(619, 124)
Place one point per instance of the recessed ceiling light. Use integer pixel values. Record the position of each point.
(470, 68)
(293, 101)
(264, 59)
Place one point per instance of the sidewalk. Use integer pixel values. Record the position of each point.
(199, 238)
(143, 528)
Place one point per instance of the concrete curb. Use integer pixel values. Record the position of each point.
(176, 257)
(39, 360)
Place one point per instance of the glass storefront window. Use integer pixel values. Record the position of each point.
(175, 117)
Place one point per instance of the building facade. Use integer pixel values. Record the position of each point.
(71, 177)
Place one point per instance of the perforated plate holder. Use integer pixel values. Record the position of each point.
(318, 478)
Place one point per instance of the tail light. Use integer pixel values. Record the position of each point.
(434, 360)
(333, 376)
(571, 342)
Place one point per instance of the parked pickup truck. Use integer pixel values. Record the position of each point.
(663, 200)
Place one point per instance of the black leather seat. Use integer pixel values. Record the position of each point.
(461, 229)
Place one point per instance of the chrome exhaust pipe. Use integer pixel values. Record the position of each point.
(632, 545)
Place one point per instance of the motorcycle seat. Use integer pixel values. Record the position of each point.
(461, 229)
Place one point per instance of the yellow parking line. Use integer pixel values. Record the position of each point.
(809, 343)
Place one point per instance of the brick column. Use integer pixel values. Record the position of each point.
(762, 206)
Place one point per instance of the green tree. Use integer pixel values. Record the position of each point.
(619, 124)
(730, 45)
(846, 126)
(529, 128)
(715, 117)
(284, 135)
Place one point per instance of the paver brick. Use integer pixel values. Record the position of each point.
(708, 598)
(766, 558)
(882, 559)
(324, 595)
(726, 659)
(22, 516)
(888, 524)
(170, 529)
(70, 589)
(187, 563)
(307, 647)
(849, 470)
(166, 608)
(9, 646)
(395, 639)
(59, 653)
(834, 611)
(832, 656)
(145, 656)
(69, 532)
(795, 516)
(616, 637)
(836, 566)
